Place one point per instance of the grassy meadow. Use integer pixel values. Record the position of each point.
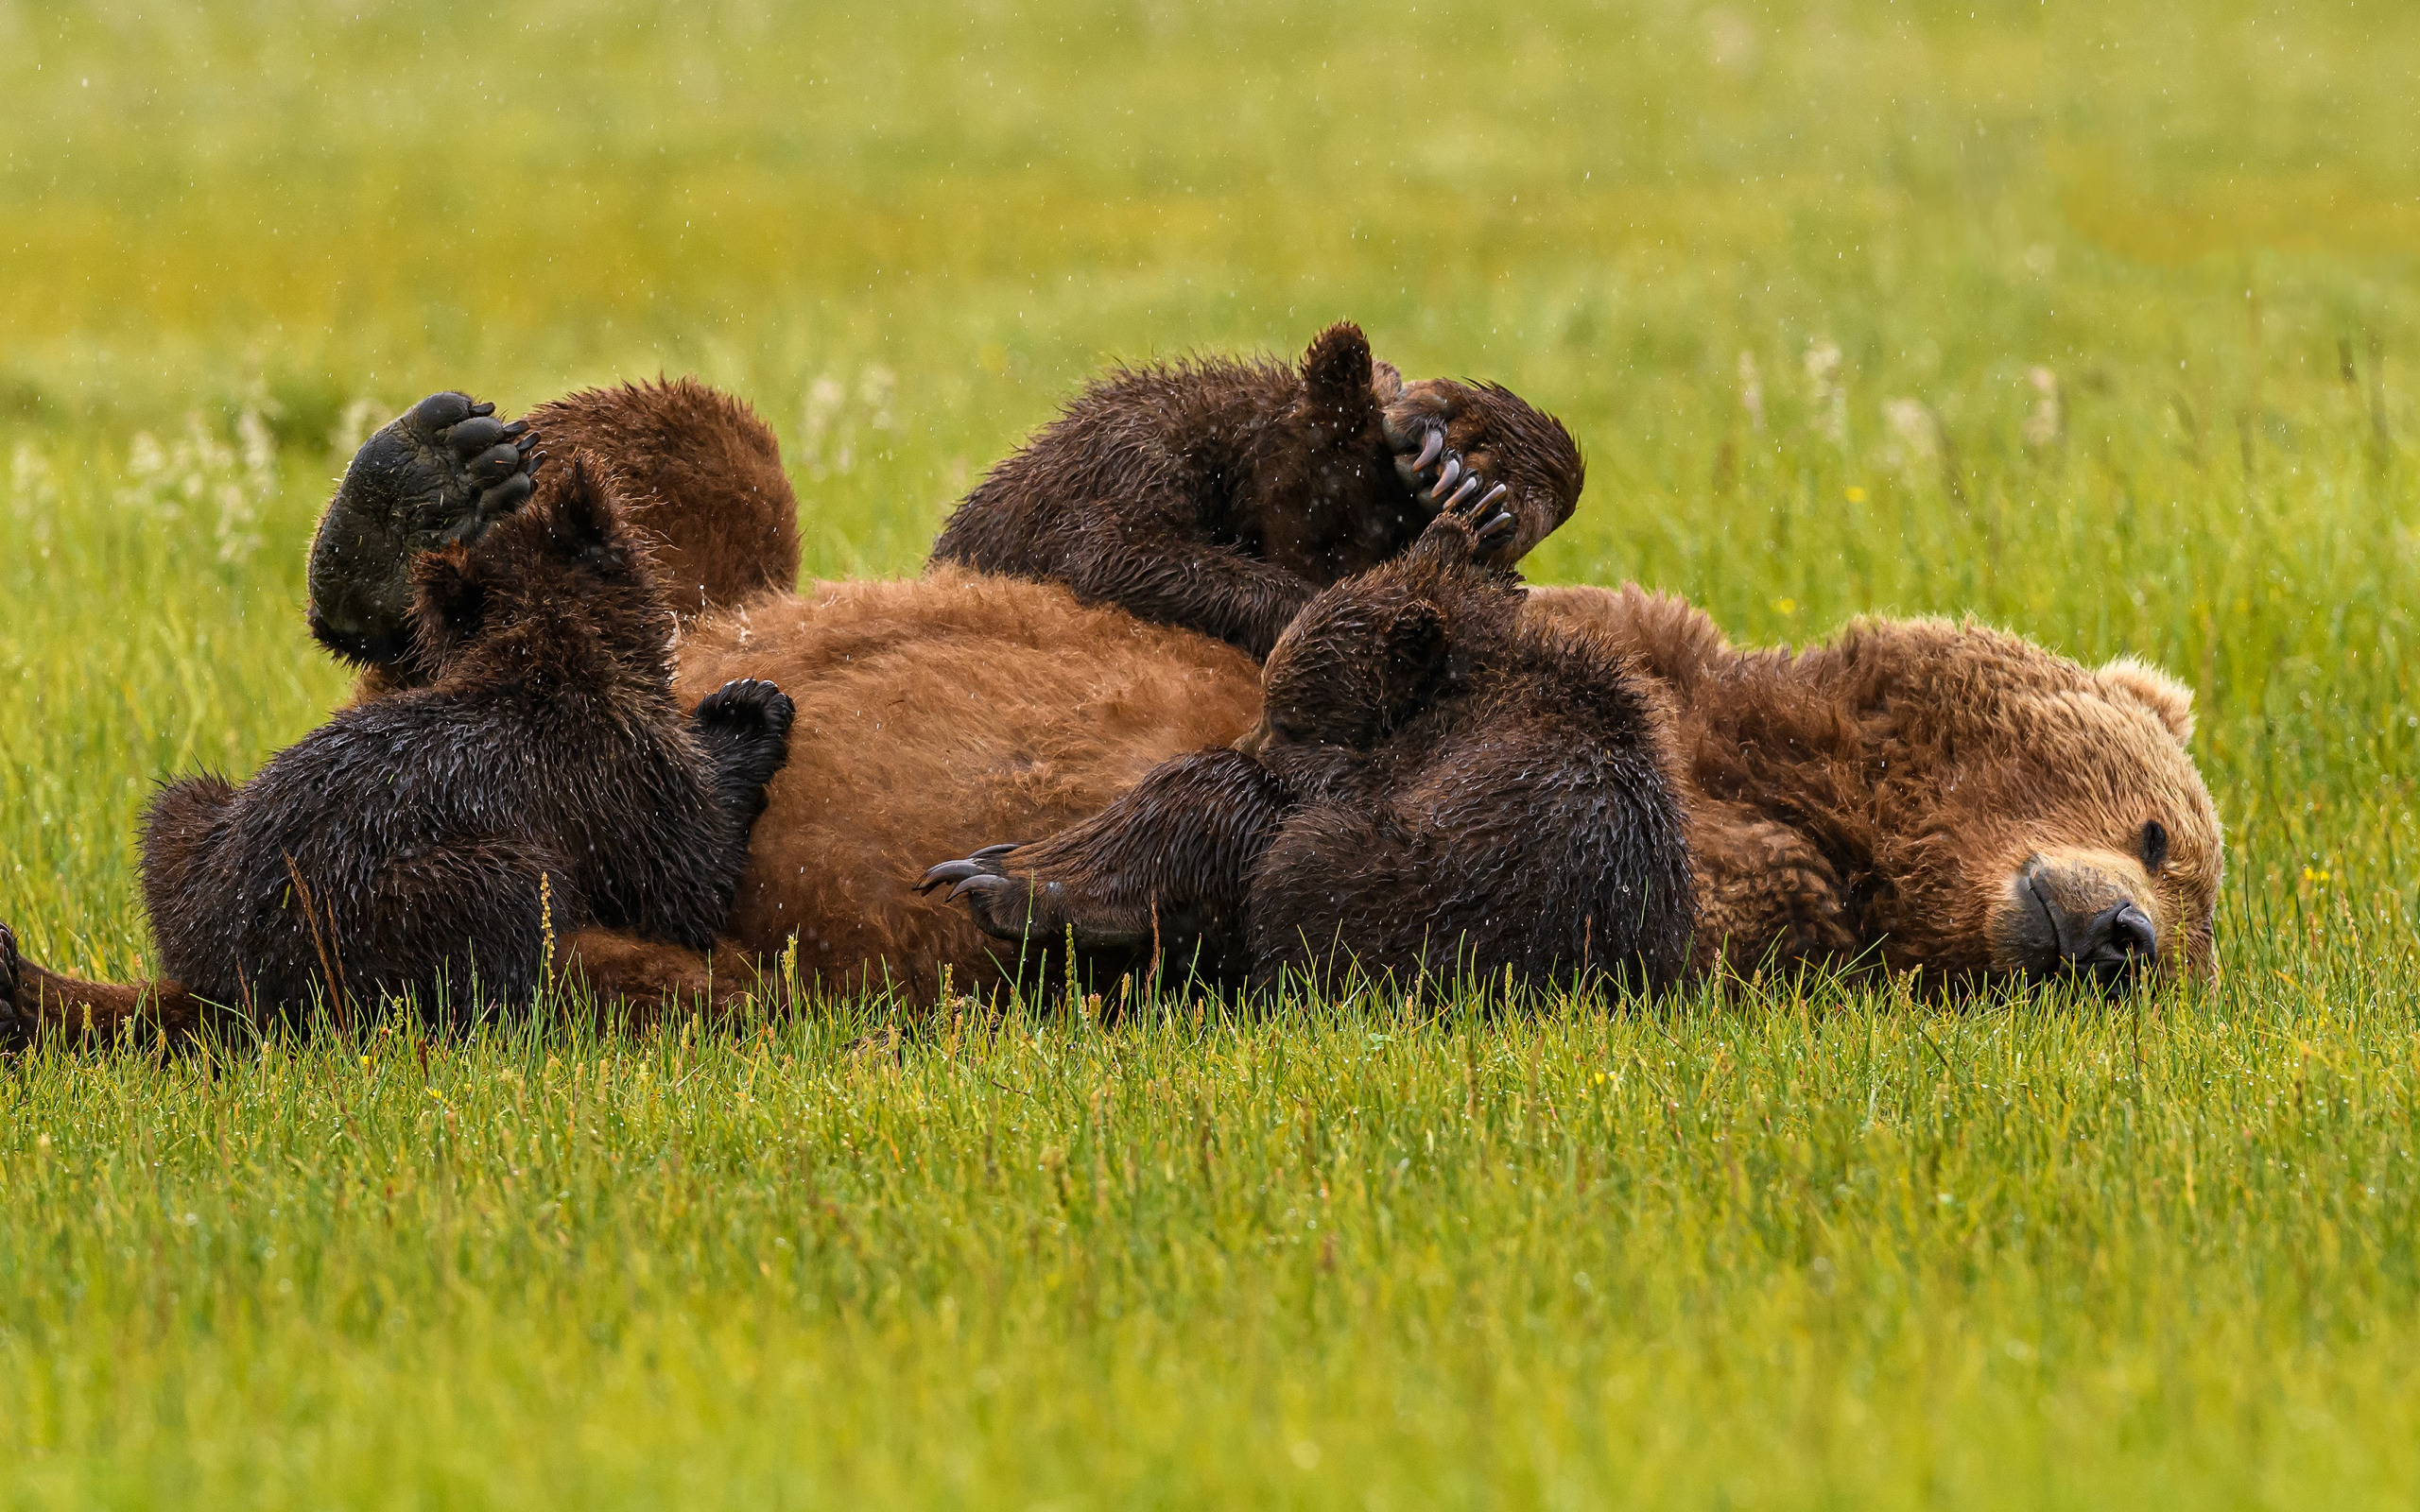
(2099, 322)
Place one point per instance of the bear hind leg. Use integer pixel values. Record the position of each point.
(440, 472)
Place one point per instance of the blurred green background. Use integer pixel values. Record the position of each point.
(2097, 321)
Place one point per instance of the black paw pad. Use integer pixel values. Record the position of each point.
(442, 472)
(748, 705)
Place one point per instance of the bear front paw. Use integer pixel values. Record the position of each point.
(748, 705)
(1023, 909)
(1470, 527)
(481, 467)
(1445, 434)
(442, 472)
(1440, 477)
(746, 725)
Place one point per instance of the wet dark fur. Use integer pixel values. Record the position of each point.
(1439, 788)
(543, 778)
(1219, 495)
(695, 474)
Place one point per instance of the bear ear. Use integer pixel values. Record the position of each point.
(1338, 371)
(1415, 647)
(588, 519)
(448, 602)
(2141, 684)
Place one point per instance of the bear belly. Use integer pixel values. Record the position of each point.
(933, 716)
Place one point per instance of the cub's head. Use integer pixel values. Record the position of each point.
(1383, 647)
(2038, 819)
(563, 591)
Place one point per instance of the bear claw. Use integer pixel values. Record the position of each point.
(1444, 478)
(1471, 526)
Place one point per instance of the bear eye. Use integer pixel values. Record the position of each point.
(2154, 845)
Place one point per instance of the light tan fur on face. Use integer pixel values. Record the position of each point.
(1879, 794)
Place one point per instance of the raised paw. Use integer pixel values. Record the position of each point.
(442, 472)
(1445, 434)
(745, 726)
(1471, 525)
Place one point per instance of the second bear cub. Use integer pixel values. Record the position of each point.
(1437, 789)
(544, 780)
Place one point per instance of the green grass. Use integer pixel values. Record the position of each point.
(1817, 1248)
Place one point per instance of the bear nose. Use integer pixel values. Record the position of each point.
(2114, 943)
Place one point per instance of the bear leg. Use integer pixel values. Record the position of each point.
(1443, 431)
(38, 1004)
(636, 982)
(745, 726)
(442, 472)
(1168, 863)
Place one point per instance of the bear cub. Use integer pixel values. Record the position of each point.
(1438, 788)
(543, 781)
(1218, 495)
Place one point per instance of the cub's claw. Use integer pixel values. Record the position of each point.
(961, 872)
(1442, 431)
(1482, 511)
(1473, 525)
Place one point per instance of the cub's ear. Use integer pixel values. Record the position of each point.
(1338, 371)
(2139, 682)
(588, 518)
(1415, 639)
(448, 602)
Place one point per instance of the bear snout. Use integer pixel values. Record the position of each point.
(2077, 917)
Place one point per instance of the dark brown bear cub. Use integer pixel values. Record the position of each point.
(1219, 495)
(543, 781)
(1438, 789)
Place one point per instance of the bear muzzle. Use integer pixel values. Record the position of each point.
(2079, 915)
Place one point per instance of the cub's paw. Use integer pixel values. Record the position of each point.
(1470, 525)
(16, 1017)
(442, 472)
(1445, 432)
(1025, 909)
(745, 725)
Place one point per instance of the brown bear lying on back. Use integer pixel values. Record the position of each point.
(935, 714)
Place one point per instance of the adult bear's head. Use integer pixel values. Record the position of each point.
(1929, 796)
(2035, 817)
